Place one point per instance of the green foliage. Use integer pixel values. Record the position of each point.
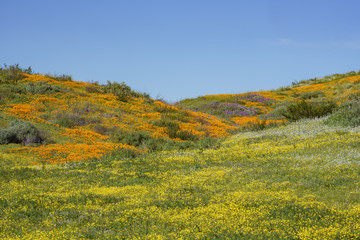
(126, 153)
(12, 74)
(138, 139)
(103, 130)
(20, 132)
(70, 120)
(59, 77)
(304, 109)
(92, 89)
(172, 127)
(310, 95)
(42, 88)
(122, 91)
(184, 135)
(348, 113)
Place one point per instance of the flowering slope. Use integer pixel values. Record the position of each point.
(257, 106)
(82, 121)
(299, 181)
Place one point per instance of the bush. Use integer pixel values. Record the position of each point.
(41, 88)
(138, 139)
(303, 109)
(348, 114)
(172, 127)
(92, 88)
(103, 130)
(59, 77)
(184, 135)
(310, 95)
(20, 132)
(122, 91)
(12, 74)
(70, 120)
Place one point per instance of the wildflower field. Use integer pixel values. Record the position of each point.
(299, 181)
(88, 161)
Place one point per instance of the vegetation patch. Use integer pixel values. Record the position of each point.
(20, 132)
(305, 109)
(348, 114)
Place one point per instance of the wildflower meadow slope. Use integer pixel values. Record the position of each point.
(80, 121)
(299, 181)
(88, 161)
(266, 106)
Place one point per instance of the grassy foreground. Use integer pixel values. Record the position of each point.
(299, 181)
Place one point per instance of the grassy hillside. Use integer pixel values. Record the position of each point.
(299, 181)
(266, 106)
(78, 121)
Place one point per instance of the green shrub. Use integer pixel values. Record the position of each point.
(348, 113)
(124, 153)
(12, 74)
(92, 89)
(20, 132)
(59, 77)
(122, 91)
(184, 135)
(207, 142)
(304, 109)
(137, 139)
(41, 88)
(310, 95)
(103, 130)
(172, 127)
(70, 120)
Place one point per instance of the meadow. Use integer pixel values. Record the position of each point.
(299, 181)
(125, 166)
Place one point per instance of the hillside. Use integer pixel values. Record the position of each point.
(266, 106)
(130, 167)
(299, 181)
(78, 121)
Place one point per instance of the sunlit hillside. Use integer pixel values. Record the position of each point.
(266, 106)
(88, 161)
(299, 181)
(78, 121)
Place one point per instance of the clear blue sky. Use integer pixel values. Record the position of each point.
(176, 49)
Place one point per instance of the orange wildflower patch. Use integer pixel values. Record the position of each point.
(162, 105)
(62, 153)
(215, 131)
(191, 128)
(150, 116)
(23, 111)
(160, 132)
(39, 77)
(311, 88)
(243, 121)
(84, 135)
(220, 96)
(351, 79)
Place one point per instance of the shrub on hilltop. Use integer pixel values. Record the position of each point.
(121, 90)
(12, 74)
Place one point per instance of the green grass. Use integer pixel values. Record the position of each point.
(299, 181)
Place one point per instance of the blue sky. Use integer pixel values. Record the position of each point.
(177, 49)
